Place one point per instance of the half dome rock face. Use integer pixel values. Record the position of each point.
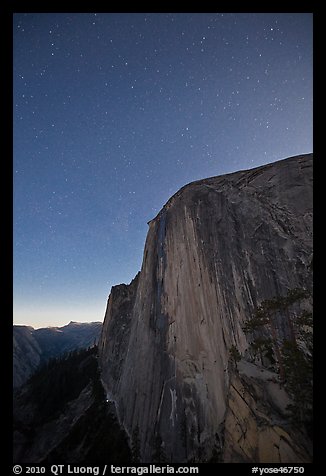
(216, 250)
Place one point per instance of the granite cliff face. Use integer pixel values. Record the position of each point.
(216, 250)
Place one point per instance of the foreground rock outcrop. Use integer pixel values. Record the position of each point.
(217, 249)
(61, 415)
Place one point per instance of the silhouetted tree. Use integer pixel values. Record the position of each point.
(293, 352)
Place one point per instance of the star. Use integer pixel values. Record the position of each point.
(113, 113)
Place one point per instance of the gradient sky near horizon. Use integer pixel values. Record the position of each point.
(113, 113)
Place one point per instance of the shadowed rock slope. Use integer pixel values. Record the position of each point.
(34, 347)
(61, 415)
(216, 251)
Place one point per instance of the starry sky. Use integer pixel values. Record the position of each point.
(114, 112)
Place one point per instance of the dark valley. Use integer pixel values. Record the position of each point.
(34, 347)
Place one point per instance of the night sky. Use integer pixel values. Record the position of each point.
(113, 113)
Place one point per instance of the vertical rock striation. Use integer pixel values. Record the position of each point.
(217, 249)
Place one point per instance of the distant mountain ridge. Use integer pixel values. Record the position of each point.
(33, 347)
